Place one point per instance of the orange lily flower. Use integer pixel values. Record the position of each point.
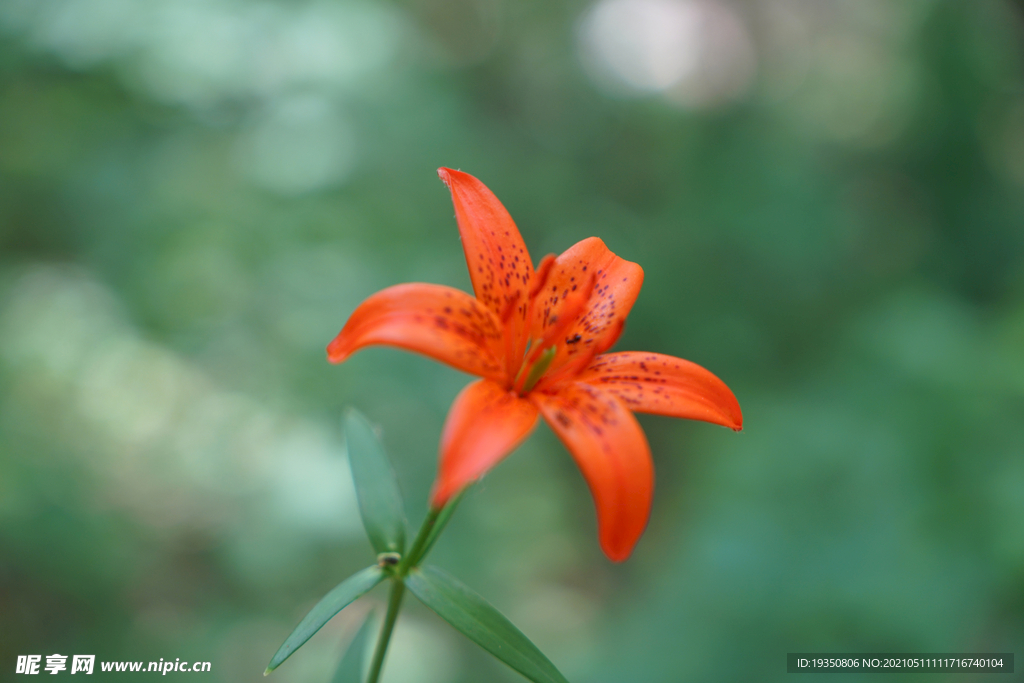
(537, 338)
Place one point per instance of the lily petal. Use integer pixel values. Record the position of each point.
(499, 264)
(665, 385)
(441, 322)
(617, 283)
(611, 450)
(486, 422)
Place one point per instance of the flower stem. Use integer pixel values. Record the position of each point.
(394, 604)
(412, 557)
(432, 527)
(439, 524)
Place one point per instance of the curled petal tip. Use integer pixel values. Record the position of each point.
(665, 385)
(730, 416)
(445, 174)
(736, 416)
(617, 554)
(335, 353)
(445, 324)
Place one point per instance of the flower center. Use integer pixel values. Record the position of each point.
(541, 351)
(537, 370)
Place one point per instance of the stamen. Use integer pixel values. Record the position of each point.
(580, 362)
(574, 304)
(546, 348)
(522, 368)
(539, 368)
(537, 283)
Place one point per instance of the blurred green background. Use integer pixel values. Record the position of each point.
(827, 197)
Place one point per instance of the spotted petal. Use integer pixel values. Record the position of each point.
(612, 452)
(441, 322)
(486, 422)
(616, 284)
(499, 264)
(665, 385)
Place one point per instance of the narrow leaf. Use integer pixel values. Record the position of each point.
(481, 623)
(350, 669)
(380, 503)
(340, 597)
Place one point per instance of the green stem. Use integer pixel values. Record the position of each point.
(439, 524)
(394, 604)
(416, 550)
(432, 527)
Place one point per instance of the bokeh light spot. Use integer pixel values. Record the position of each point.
(696, 52)
(297, 145)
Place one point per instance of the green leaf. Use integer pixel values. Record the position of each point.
(380, 503)
(481, 623)
(340, 597)
(350, 669)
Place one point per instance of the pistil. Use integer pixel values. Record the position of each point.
(538, 369)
